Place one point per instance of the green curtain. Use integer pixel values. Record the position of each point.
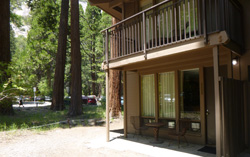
(167, 95)
(148, 95)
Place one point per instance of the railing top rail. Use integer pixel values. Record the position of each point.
(139, 13)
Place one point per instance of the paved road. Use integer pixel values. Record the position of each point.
(32, 104)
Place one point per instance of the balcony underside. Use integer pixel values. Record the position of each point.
(134, 61)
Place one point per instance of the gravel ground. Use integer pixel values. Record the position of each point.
(77, 141)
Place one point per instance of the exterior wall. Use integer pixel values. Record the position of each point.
(174, 63)
(133, 96)
(130, 8)
(245, 59)
(239, 71)
(245, 64)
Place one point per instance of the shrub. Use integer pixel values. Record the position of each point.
(6, 107)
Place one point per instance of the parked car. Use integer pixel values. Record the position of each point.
(40, 98)
(122, 101)
(91, 100)
(48, 98)
(67, 100)
(84, 99)
(27, 98)
(101, 98)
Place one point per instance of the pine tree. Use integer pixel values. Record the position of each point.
(76, 82)
(58, 88)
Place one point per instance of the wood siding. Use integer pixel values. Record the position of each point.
(233, 132)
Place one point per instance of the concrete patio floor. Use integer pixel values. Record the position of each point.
(142, 146)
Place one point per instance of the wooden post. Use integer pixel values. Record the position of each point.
(217, 101)
(107, 105)
(107, 47)
(125, 102)
(204, 22)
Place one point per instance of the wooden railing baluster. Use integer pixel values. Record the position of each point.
(171, 24)
(189, 18)
(167, 23)
(163, 27)
(175, 23)
(184, 22)
(180, 21)
(159, 26)
(194, 18)
(153, 27)
(152, 31)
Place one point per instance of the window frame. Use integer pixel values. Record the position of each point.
(178, 121)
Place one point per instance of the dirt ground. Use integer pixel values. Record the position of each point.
(77, 141)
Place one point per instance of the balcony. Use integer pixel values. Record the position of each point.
(172, 22)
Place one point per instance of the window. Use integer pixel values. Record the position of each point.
(189, 94)
(148, 95)
(167, 95)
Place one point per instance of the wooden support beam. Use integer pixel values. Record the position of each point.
(217, 101)
(125, 103)
(107, 105)
(96, 2)
(115, 3)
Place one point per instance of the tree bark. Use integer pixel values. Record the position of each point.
(58, 88)
(93, 68)
(6, 104)
(114, 84)
(4, 36)
(76, 85)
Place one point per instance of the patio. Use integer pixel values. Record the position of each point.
(141, 144)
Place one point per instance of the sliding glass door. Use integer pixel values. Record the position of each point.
(189, 94)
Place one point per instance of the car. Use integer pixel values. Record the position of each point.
(26, 98)
(48, 98)
(40, 98)
(84, 99)
(102, 98)
(91, 100)
(122, 101)
(67, 100)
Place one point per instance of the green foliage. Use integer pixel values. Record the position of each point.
(14, 18)
(92, 22)
(91, 112)
(33, 117)
(6, 106)
(33, 58)
(43, 87)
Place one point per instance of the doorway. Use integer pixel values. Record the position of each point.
(209, 102)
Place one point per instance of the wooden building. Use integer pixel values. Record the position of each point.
(185, 63)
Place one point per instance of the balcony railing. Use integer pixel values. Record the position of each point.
(166, 23)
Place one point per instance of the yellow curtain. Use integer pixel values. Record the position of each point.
(167, 95)
(148, 95)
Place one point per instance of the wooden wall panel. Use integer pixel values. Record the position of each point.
(132, 98)
(233, 116)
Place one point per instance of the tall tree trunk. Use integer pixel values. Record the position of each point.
(76, 85)
(4, 36)
(58, 88)
(93, 68)
(6, 104)
(114, 85)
